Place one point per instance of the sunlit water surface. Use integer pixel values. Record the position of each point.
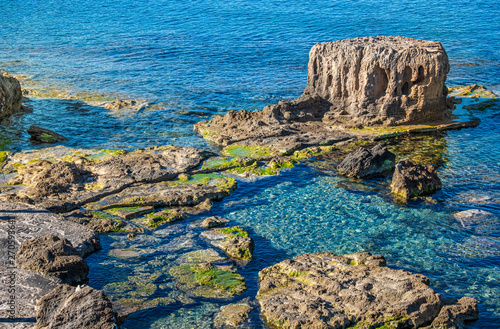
(193, 60)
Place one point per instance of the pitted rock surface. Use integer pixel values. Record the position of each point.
(324, 290)
(10, 96)
(411, 180)
(372, 81)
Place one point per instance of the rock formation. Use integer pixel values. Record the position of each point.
(10, 96)
(67, 307)
(52, 256)
(410, 180)
(324, 290)
(367, 162)
(43, 135)
(372, 81)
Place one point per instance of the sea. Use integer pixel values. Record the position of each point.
(193, 60)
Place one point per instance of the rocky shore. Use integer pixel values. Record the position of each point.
(361, 93)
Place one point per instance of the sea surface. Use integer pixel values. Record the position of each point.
(192, 60)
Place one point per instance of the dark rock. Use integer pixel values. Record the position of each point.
(367, 162)
(324, 290)
(10, 96)
(45, 135)
(67, 307)
(52, 256)
(410, 180)
(214, 221)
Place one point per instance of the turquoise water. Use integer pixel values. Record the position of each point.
(193, 60)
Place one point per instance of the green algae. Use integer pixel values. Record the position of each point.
(117, 210)
(154, 220)
(220, 163)
(102, 215)
(234, 230)
(47, 138)
(422, 149)
(481, 106)
(226, 184)
(276, 165)
(93, 186)
(393, 322)
(203, 179)
(4, 155)
(247, 151)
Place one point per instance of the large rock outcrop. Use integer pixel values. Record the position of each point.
(10, 96)
(412, 180)
(68, 307)
(324, 290)
(372, 81)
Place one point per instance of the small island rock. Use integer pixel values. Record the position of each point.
(410, 180)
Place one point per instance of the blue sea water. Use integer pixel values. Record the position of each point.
(194, 60)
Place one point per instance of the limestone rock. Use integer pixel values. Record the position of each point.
(372, 81)
(410, 180)
(10, 96)
(45, 135)
(52, 256)
(324, 290)
(232, 315)
(367, 162)
(67, 307)
(214, 221)
(454, 315)
(233, 240)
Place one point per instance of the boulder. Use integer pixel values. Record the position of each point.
(52, 256)
(324, 290)
(410, 180)
(10, 96)
(371, 81)
(214, 221)
(67, 307)
(367, 162)
(43, 135)
(232, 315)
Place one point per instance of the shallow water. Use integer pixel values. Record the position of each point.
(196, 59)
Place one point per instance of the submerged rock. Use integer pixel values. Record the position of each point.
(43, 135)
(372, 81)
(67, 307)
(214, 221)
(232, 315)
(410, 180)
(52, 256)
(367, 162)
(324, 290)
(125, 104)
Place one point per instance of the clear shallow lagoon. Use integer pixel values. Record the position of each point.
(198, 59)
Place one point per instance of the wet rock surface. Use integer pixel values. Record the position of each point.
(232, 315)
(324, 290)
(214, 221)
(367, 162)
(410, 180)
(126, 104)
(52, 256)
(44, 135)
(74, 307)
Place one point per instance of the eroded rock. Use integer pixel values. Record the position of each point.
(214, 221)
(367, 162)
(410, 180)
(324, 290)
(67, 307)
(52, 256)
(381, 81)
(232, 315)
(233, 240)
(10, 96)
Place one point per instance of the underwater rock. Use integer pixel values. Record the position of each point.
(367, 162)
(10, 96)
(214, 221)
(372, 81)
(233, 240)
(97, 221)
(52, 256)
(43, 135)
(324, 290)
(67, 307)
(410, 180)
(232, 315)
(125, 104)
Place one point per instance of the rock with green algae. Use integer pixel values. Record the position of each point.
(61, 186)
(233, 240)
(205, 280)
(44, 135)
(472, 91)
(324, 290)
